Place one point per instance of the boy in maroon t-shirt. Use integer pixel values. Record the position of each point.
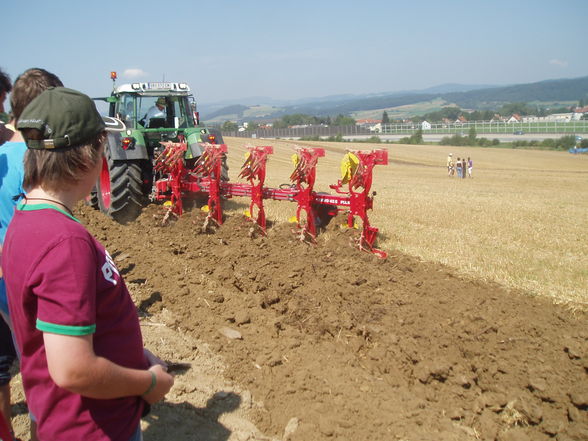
(85, 372)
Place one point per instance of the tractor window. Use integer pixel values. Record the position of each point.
(148, 109)
(175, 113)
(181, 111)
(126, 110)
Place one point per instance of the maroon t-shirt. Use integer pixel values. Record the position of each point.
(61, 280)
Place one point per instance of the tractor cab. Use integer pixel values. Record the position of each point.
(154, 105)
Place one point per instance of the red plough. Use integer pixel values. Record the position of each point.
(313, 209)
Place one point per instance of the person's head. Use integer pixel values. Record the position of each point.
(64, 134)
(30, 84)
(5, 88)
(160, 103)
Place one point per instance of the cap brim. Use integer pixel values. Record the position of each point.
(113, 124)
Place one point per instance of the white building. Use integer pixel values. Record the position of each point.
(555, 117)
(377, 128)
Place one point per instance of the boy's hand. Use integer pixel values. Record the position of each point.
(163, 383)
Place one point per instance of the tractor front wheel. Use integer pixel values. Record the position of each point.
(119, 189)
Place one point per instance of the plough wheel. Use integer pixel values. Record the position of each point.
(119, 189)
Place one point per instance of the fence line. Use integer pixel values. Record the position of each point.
(481, 128)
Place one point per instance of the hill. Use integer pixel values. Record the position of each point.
(468, 97)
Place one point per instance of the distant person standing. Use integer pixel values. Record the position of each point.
(450, 169)
(463, 167)
(458, 166)
(470, 166)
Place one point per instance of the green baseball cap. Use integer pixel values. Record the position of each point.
(65, 117)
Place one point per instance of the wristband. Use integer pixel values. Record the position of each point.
(152, 385)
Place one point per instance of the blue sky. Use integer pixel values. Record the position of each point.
(231, 49)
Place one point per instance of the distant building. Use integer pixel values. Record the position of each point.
(554, 117)
(377, 128)
(367, 122)
(425, 125)
(515, 118)
(560, 117)
(532, 118)
(579, 112)
(460, 120)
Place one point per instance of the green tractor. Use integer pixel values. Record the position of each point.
(153, 112)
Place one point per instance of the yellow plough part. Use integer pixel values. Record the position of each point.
(349, 165)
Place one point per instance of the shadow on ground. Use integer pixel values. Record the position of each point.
(185, 422)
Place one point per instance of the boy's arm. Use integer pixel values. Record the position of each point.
(74, 366)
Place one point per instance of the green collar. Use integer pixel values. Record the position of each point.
(22, 206)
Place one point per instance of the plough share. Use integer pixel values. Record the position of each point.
(313, 208)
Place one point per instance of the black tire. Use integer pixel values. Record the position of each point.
(119, 189)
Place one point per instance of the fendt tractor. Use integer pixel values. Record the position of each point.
(128, 172)
(165, 155)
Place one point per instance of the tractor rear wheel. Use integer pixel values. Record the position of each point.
(119, 189)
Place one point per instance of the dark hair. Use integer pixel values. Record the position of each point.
(28, 86)
(5, 84)
(56, 169)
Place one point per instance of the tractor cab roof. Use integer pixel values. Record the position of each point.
(153, 89)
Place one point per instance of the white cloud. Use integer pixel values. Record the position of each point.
(134, 73)
(559, 63)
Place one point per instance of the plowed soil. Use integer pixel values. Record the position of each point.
(324, 342)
